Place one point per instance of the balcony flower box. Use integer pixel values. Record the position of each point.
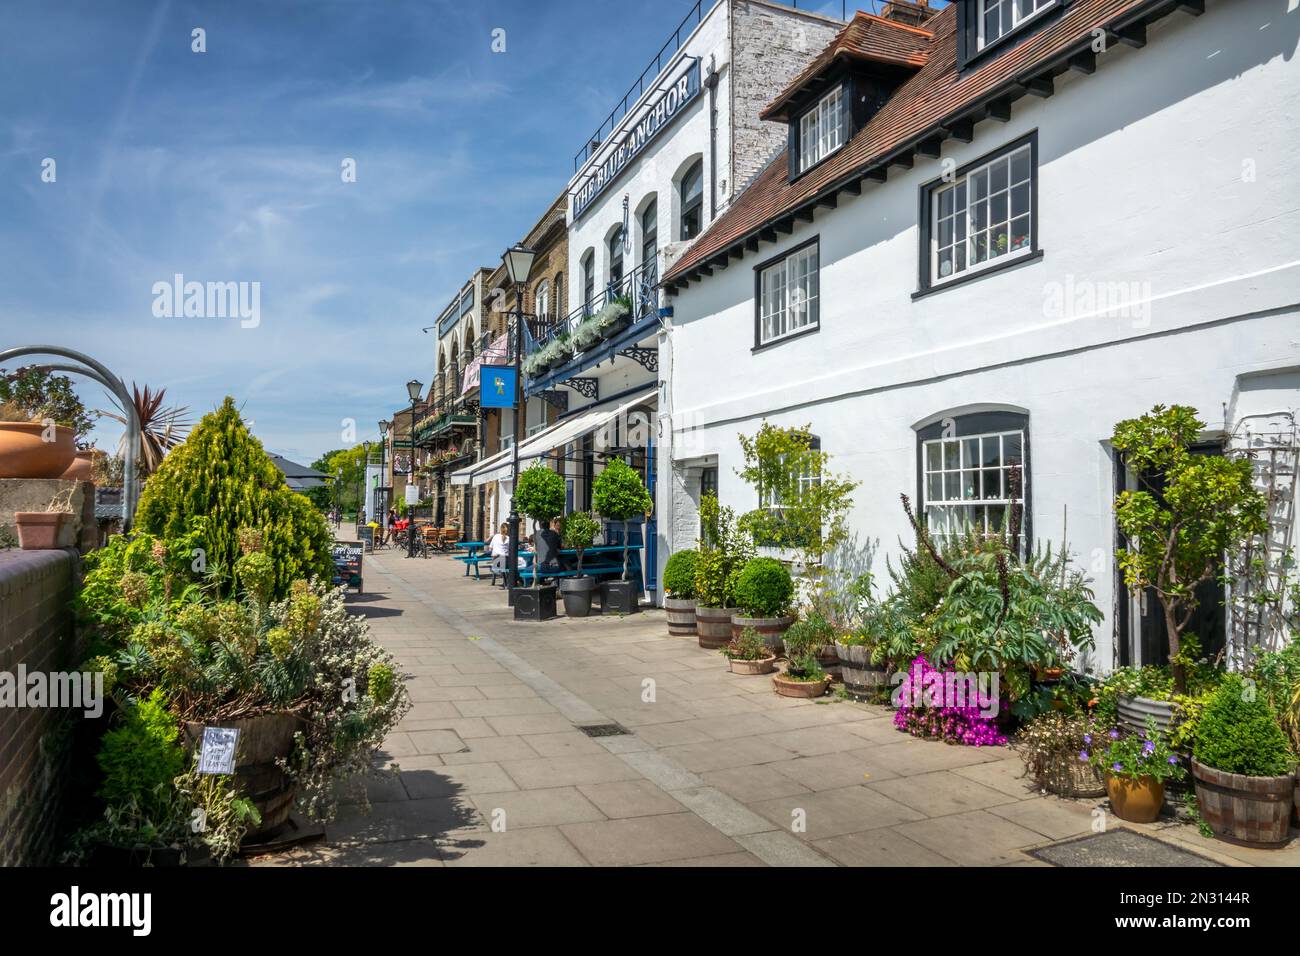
(614, 318)
(587, 334)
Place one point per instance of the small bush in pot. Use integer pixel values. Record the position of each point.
(580, 530)
(540, 496)
(619, 494)
(724, 550)
(749, 654)
(1244, 768)
(764, 590)
(1135, 768)
(679, 588)
(803, 678)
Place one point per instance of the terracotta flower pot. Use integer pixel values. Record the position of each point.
(24, 452)
(800, 689)
(753, 668)
(39, 530)
(1247, 811)
(83, 466)
(1135, 800)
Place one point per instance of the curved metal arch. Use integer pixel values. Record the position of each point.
(100, 373)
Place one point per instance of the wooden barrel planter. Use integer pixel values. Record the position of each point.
(1134, 711)
(713, 627)
(861, 679)
(681, 616)
(771, 629)
(262, 741)
(1247, 811)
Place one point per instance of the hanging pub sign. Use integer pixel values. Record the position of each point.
(656, 117)
(497, 385)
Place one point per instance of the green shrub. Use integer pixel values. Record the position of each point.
(750, 646)
(1239, 733)
(580, 530)
(679, 575)
(619, 494)
(724, 549)
(540, 494)
(807, 636)
(142, 757)
(764, 588)
(222, 473)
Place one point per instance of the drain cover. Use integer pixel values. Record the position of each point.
(604, 730)
(1119, 848)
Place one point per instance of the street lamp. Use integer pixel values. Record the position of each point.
(518, 261)
(414, 389)
(383, 454)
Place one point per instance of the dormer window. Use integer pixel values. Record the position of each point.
(997, 18)
(821, 129)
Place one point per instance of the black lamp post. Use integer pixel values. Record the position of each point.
(413, 389)
(383, 455)
(519, 264)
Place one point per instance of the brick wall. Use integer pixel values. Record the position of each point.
(36, 629)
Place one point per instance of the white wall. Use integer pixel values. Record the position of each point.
(1141, 180)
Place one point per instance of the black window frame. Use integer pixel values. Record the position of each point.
(588, 280)
(615, 248)
(969, 53)
(695, 206)
(759, 344)
(925, 221)
(985, 422)
(651, 236)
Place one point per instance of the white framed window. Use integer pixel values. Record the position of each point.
(997, 18)
(543, 303)
(984, 217)
(789, 294)
(971, 483)
(821, 129)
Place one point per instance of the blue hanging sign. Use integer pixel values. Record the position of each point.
(497, 386)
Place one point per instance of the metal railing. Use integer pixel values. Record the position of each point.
(640, 287)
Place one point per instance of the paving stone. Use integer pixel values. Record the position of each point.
(505, 708)
(658, 839)
(911, 757)
(667, 735)
(464, 780)
(530, 724)
(832, 812)
(1004, 775)
(436, 742)
(491, 750)
(833, 771)
(569, 743)
(752, 784)
(1053, 817)
(814, 741)
(524, 846)
(776, 848)
(724, 813)
(536, 808)
(631, 798)
(422, 819)
(940, 793)
(977, 838)
(724, 860)
(884, 847)
(431, 692)
(721, 754)
(547, 772)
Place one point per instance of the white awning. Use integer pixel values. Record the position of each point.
(540, 445)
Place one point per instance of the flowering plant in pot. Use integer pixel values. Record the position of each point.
(1135, 768)
(580, 530)
(724, 550)
(940, 704)
(614, 316)
(749, 654)
(1050, 746)
(764, 590)
(679, 588)
(1243, 768)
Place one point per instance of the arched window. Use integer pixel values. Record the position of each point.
(588, 280)
(543, 300)
(616, 258)
(649, 234)
(692, 192)
(974, 475)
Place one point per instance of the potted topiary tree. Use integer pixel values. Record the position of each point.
(724, 549)
(679, 598)
(580, 530)
(764, 589)
(540, 496)
(1243, 768)
(619, 494)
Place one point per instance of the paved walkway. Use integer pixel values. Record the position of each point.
(716, 770)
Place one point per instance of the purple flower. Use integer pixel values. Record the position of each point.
(1083, 755)
(1173, 761)
(1117, 767)
(1087, 739)
(1148, 748)
(1114, 735)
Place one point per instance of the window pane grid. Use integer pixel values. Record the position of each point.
(967, 483)
(821, 130)
(789, 296)
(999, 17)
(983, 217)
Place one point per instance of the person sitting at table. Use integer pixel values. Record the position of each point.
(548, 550)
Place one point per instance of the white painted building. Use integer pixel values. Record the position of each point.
(1141, 217)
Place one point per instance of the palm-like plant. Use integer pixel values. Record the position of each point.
(161, 429)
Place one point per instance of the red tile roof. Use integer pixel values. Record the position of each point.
(937, 94)
(867, 38)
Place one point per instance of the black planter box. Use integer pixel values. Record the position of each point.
(620, 597)
(533, 604)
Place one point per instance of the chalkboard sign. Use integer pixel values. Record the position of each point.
(367, 536)
(348, 558)
(424, 513)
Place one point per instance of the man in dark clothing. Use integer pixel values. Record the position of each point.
(548, 550)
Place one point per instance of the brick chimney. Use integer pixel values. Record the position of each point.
(904, 11)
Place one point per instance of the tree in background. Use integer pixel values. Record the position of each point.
(40, 394)
(223, 475)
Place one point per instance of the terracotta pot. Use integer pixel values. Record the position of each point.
(772, 629)
(82, 467)
(24, 453)
(753, 668)
(803, 690)
(1135, 800)
(1247, 811)
(681, 616)
(39, 530)
(713, 626)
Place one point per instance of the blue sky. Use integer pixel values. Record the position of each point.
(225, 166)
